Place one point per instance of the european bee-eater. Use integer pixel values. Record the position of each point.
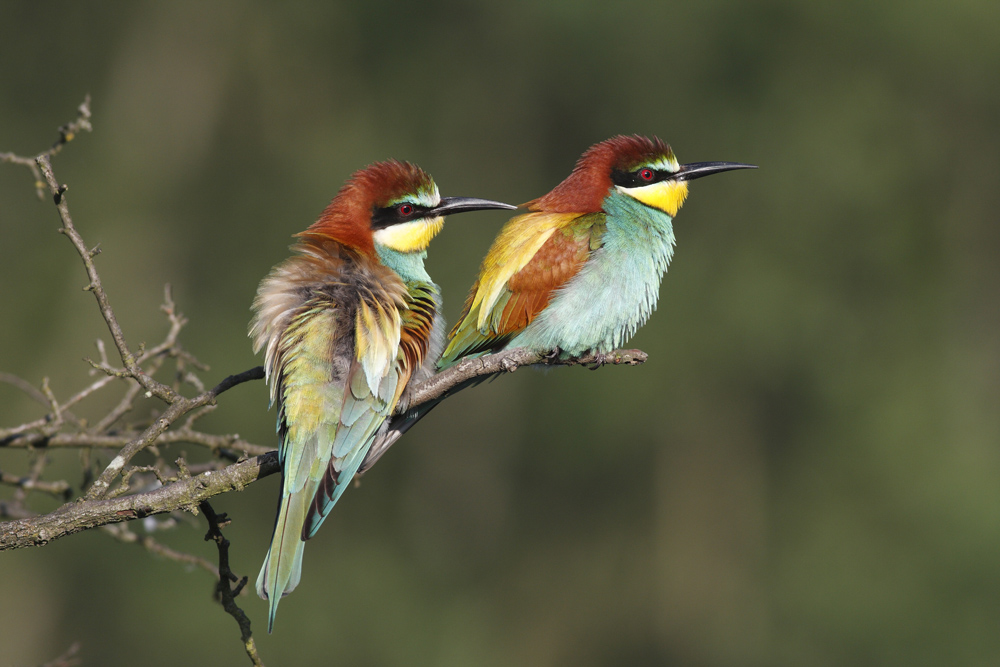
(581, 270)
(346, 324)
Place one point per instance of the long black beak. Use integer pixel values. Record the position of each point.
(689, 172)
(451, 205)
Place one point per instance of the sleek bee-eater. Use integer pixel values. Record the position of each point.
(346, 324)
(581, 270)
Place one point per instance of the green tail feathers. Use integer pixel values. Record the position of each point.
(283, 565)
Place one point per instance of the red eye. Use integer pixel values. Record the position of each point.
(405, 209)
(646, 174)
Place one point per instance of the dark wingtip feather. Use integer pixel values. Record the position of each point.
(321, 503)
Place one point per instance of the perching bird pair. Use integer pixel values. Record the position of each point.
(352, 320)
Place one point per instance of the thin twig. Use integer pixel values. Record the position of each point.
(33, 392)
(31, 481)
(20, 436)
(178, 408)
(11, 433)
(123, 486)
(48, 419)
(67, 133)
(121, 533)
(95, 286)
(211, 441)
(124, 406)
(58, 489)
(226, 578)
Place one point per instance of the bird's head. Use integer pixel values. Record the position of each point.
(392, 204)
(642, 168)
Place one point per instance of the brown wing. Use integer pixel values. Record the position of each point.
(526, 292)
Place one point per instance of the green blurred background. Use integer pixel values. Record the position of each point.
(805, 472)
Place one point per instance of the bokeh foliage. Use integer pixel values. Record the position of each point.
(805, 472)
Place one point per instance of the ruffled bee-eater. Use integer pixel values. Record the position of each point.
(581, 270)
(346, 324)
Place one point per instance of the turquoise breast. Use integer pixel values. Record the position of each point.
(614, 293)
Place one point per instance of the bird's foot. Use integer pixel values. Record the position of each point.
(553, 355)
(599, 360)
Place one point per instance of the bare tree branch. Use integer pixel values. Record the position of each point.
(178, 408)
(184, 494)
(442, 384)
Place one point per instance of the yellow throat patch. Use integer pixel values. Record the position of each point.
(665, 195)
(409, 236)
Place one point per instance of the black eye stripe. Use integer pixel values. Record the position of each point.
(632, 179)
(387, 216)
